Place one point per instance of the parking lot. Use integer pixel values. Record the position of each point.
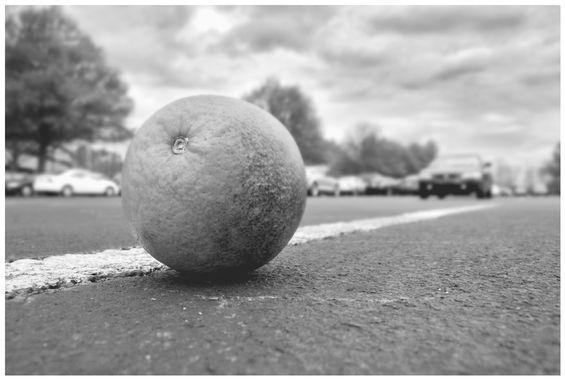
(467, 293)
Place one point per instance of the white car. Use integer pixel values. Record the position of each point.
(352, 185)
(321, 183)
(75, 181)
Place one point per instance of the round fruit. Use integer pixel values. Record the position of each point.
(213, 185)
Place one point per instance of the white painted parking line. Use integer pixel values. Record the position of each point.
(324, 231)
(34, 275)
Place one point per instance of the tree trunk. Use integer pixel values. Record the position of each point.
(41, 157)
(44, 142)
(15, 155)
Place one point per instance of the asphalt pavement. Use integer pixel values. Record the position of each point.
(44, 226)
(474, 293)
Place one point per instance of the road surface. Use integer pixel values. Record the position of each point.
(44, 226)
(472, 293)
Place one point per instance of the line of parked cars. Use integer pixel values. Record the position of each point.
(320, 183)
(447, 175)
(68, 183)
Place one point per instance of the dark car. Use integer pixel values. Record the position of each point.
(457, 175)
(19, 182)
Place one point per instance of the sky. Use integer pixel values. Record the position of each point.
(475, 79)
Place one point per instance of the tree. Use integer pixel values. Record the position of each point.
(552, 169)
(295, 111)
(105, 162)
(366, 151)
(345, 161)
(58, 86)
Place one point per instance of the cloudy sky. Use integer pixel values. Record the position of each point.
(473, 78)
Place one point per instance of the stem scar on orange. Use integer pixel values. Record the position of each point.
(213, 185)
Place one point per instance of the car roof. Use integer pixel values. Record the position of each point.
(77, 170)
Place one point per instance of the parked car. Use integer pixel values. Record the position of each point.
(520, 191)
(538, 189)
(456, 174)
(501, 191)
(407, 186)
(75, 181)
(19, 182)
(379, 184)
(352, 185)
(118, 178)
(321, 183)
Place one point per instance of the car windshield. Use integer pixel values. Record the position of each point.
(316, 171)
(74, 173)
(456, 163)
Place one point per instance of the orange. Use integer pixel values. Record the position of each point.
(213, 185)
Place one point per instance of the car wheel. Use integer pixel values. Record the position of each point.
(315, 191)
(109, 192)
(424, 195)
(484, 194)
(487, 193)
(441, 195)
(67, 191)
(27, 191)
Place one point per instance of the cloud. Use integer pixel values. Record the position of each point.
(419, 72)
(454, 67)
(352, 58)
(443, 19)
(541, 77)
(272, 27)
(465, 62)
(139, 39)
